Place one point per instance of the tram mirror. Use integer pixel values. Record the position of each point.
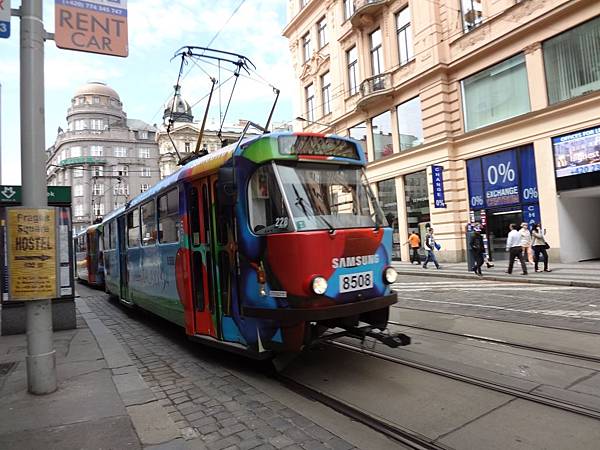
(226, 188)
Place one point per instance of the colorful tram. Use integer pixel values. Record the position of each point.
(89, 263)
(258, 247)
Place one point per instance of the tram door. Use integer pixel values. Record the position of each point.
(205, 292)
(123, 274)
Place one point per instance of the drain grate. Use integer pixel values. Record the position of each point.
(5, 368)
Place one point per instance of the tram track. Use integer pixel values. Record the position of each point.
(524, 395)
(503, 342)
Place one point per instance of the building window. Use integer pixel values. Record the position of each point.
(376, 53)
(144, 187)
(97, 171)
(77, 172)
(326, 93)
(98, 209)
(472, 14)
(97, 124)
(78, 190)
(142, 134)
(121, 171)
(410, 128)
(303, 3)
(78, 210)
(187, 147)
(144, 153)
(382, 135)
(80, 124)
(352, 59)
(496, 94)
(306, 50)
(359, 132)
(97, 189)
(322, 26)
(348, 9)
(96, 100)
(146, 172)
(96, 150)
(310, 102)
(572, 62)
(405, 38)
(121, 189)
(117, 204)
(75, 152)
(120, 152)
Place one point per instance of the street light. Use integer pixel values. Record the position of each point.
(302, 119)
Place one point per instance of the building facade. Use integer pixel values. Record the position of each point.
(106, 158)
(469, 110)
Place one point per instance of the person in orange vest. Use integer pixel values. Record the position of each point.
(415, 243)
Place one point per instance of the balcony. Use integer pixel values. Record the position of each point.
(79, 160)
(373, 88)
(366, 10)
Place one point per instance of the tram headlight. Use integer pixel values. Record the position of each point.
(319, 285)
(390, 275)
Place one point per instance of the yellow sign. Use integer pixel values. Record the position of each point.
(31, 253)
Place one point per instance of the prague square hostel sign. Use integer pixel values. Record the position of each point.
(97, 26)
(31, 253)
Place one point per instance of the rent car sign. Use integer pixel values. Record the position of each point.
(98, 26)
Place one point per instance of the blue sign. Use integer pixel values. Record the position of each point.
(529, 190)
(475, 181)
(531, 214)
(438, 186)
(500, 181)
(4, 18)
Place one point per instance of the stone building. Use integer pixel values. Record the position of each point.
(105, 157)
(469, 110)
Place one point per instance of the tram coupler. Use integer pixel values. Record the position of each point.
(361, 333)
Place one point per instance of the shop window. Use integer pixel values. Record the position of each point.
(496, 94)
(388, 200)
(572, 62)
(359, 132)
(417, 203)
(382, 135)
(410, 127)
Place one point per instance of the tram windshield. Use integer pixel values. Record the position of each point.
(315, 197)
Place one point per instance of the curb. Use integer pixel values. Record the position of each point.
(469, 276)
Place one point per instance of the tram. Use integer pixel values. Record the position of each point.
(259, 247)
(89, 263)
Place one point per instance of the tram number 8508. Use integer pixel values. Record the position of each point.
(356, 281)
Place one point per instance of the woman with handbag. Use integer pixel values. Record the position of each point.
(539, 245)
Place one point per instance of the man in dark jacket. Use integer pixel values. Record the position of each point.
(478, 249)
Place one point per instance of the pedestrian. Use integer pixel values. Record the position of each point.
(478, 250)
(431, 246)
(513, 246)
(415, 244)
(539, 245)
(486, 258)
(526, 242)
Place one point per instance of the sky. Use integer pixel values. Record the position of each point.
(145, 79)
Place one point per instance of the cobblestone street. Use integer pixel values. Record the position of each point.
(206, 401)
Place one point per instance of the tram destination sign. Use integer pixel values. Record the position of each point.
(32, 262)
(94, 26)
(317, 146)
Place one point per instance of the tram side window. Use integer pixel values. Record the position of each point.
(266, 205)
(81, 243)
(168, 217)
(112, 227)
(133, 228)
(149, 232)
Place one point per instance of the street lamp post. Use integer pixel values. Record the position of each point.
(302, 119)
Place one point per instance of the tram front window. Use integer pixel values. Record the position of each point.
(329, 197)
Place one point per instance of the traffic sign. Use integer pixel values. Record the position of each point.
(95, 26)
(4, 18)
(31, 253)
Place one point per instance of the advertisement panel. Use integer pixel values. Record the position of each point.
(439, 200)
(475, 181)
(529, 190)
(32, 262)
(500, 182)
(577, 153)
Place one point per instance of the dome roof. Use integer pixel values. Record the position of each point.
(97, 88)
(177, 109)
(181, 106)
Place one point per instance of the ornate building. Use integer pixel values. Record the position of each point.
(105, 157)
(468, 110)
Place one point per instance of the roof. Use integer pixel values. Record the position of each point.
(97, 88)
(136, 124)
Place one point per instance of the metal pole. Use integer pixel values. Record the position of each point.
(41, 356)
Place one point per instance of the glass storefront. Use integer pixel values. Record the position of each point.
(359, 132)
(417, 203)
(382, 135)
(389, 203)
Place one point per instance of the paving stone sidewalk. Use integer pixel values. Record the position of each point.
(211, 407)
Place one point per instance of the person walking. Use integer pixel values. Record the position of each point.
(539, 245)
(526, 242)
(415, 243)
(431, 246)
(478, 250)
(513, 246)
